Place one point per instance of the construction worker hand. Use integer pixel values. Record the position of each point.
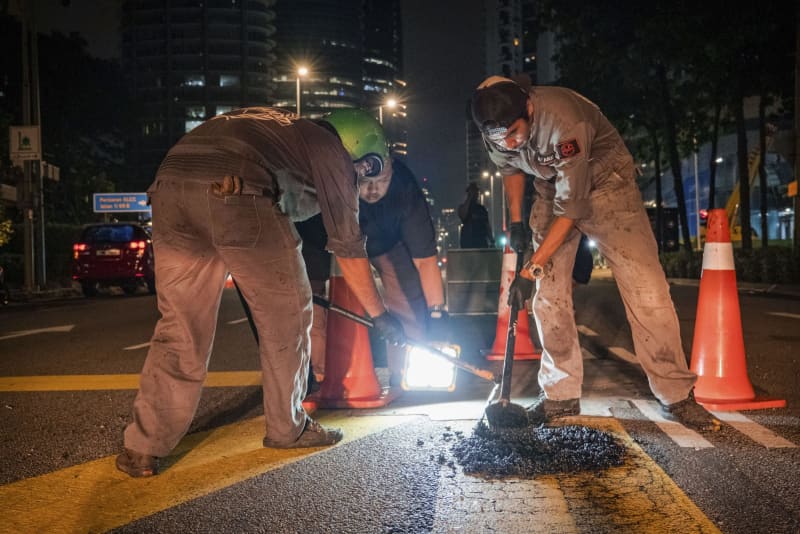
(519, 291)
(437, 325)
(389, 329)
(517, 237)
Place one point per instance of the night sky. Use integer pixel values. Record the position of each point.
(443, 62)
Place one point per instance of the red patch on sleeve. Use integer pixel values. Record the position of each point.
(568, 148)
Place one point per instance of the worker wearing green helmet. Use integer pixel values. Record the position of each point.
(401, 240)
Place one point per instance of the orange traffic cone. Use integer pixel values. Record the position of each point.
(523, 347)
(350, 379)
(229, 282)
(718, 349)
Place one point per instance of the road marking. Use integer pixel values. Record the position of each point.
(624, 354)
(137, 347)
(21, 333)
(586, 331)
(637, 496)
(684, 437)
(100, 498)
(754, 431)
(782, 314)
(115, 382)
(237, 321)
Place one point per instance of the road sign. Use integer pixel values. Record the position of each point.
(120, 202)
(24, 143)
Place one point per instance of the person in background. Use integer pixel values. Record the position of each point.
(585, 179)
(476, 231)
(223, 201)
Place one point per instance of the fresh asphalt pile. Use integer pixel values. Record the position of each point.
(531, 451)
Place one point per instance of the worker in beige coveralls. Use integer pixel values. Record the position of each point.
(585, 179)
(223, 200)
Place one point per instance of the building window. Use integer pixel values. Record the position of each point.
(191, 125)
(196, 112)
(229, 80)
(194, 80)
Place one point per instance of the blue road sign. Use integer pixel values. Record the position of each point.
(120, 202)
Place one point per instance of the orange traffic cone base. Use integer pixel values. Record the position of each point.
(757, 403)
(386, 396)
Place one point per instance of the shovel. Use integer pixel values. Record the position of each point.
(482, 373)
(503, 413)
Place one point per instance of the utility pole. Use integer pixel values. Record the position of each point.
(27, 181)
(796, 237)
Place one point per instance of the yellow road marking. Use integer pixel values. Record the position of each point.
(95, 497)
(112, 382)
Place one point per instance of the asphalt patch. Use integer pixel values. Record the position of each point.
(532, 451)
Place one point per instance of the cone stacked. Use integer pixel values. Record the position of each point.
(523, 347)
(718, 355)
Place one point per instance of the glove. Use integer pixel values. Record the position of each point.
(519, 291)
(517, 237)
(389, 329)
(436, 328)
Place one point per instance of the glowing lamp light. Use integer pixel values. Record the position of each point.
(425, 370)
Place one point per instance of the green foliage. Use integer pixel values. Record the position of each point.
(6, 228)
(771, 265)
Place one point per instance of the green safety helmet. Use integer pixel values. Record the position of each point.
(362, 137)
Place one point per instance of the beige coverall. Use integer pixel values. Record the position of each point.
(584, 172)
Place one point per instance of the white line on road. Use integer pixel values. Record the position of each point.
(789, 315)
(678, 433)
(586, 331)
(137, 347)
(625, 354)
(237, 321)
(21, 333)
(754, 431)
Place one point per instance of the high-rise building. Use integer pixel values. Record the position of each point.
(350, 52)
(384, 88)
(326, 39)
(189, 60)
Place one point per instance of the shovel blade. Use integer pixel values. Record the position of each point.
(505, 414)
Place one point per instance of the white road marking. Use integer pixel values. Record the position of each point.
(237, 321)
(754, 431)
(789, 315)
(137, 347)
(625, 354)
(678, 433)
(586, 331)
(22, 333)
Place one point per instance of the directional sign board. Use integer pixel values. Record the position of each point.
(120, 202)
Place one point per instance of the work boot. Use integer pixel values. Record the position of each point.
(137, 464)
(314, 435)
(544, 410)
(691, 415)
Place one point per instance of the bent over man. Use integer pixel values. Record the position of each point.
(585, 178)
(223, 202)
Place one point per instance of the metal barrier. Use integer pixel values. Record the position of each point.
(473, 280)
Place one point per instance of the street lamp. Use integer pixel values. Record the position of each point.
(390, 103)
(490, 176)
(301, 71)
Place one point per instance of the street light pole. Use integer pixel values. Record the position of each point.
(390, 103)
(301, 71)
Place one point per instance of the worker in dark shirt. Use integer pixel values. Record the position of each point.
(223, 200)
(401, 240)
